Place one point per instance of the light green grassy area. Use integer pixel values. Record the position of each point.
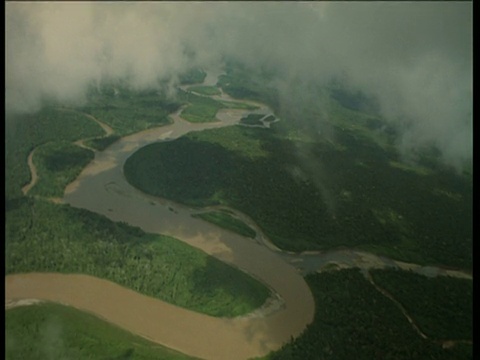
(46, 237)
(227, 221)
(58, 163)
(52, 331)
(200, 113)
(200, 109)
(205, 90)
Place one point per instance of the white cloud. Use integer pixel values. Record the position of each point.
(415, 57)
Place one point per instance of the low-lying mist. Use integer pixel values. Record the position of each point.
(414, 59)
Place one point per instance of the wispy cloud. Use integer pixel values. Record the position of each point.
(416, 58)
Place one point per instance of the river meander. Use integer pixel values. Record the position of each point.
(102, 188)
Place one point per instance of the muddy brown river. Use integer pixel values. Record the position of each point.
(102, 188)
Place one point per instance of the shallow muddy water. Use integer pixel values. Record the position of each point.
(177, 328)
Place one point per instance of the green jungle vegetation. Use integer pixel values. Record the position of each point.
(252, 119)
(363, 202)
(58, 163)
(54, 332)
(353, 100)
(227, 221)
(42, 236)
(442, 306)
(200, 109)
(205, 90)
(355, 321)
(242, 82)
(102, 143)
(46, 237)
(368, 129)
(192, 76)
(353, 188)
(127, 110)
(25, 132)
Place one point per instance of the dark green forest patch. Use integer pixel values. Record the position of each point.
(309, 195)
(355, 321)
(442, 307)
(58, 163)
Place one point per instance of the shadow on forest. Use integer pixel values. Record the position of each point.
(15, 203)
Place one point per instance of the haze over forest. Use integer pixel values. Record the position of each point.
(268, 180)
(414, 58)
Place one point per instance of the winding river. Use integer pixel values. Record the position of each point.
(102, 188)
